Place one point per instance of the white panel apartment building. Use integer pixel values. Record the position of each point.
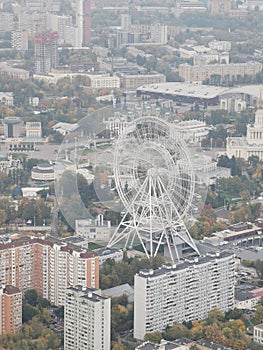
(181, 293)
(87, 320)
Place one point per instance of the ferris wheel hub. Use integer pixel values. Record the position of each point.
(153, 172)
(159, 193)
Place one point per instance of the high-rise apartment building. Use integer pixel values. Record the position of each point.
(49, 266)
(83, 22)
(46, 52)
(86, 22)
(20, 40)
(86, 320)
(126, 22)
(10, 309)
(183, 292)
(6, 22)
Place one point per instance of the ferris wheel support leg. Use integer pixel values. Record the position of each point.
(190, 242)
(143, 245)
(159, 243)
(133, 238)
(175, 248)
(169, 247)
(117, 236)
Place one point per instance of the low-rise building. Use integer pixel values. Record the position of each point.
(33, 130)
(247, 296)
(97, 229)
(258, 333)
(65, 128)
(251, 144)
(109, 253)
(118, 291)
(43, 172)
(7, 98)
(241, 232)
(230, 72)
(11, 72)
(5, 161)
(104, 81)
(133, 81)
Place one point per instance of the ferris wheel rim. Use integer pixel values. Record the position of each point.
(157, 126)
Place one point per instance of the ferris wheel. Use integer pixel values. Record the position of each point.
(156, 183)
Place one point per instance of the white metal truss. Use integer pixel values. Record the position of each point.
(155, 181)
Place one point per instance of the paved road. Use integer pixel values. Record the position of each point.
(45, 151)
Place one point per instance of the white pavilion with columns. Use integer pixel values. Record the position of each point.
(250, 145)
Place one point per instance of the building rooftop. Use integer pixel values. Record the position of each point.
(247, 291)
(184, 265)
(92, 294)
(12, 120)
(119, 291)
(260, 326)
(185, 89)
(199, 90)
(238, 231)
(10, 290)
(50, 241)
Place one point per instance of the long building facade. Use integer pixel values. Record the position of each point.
(87, 320)
(49, 266)
(228, 72)
(183, 292)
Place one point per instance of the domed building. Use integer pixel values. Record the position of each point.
(43, 172)
(250, 145)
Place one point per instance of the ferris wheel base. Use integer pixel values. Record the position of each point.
(174, 244)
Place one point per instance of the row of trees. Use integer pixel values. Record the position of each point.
(226, 329)
(36, 210)
(35, 333)
(113, 274)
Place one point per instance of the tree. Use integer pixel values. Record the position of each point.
(3, 217)
(176, 331)
(31, 297)
(213, 333)
(239, 345)
(154, 337)
(259, 267)
(28, 312)
(59, 312)
(258, 316)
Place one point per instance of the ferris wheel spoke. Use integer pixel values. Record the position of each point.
(156, 182)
